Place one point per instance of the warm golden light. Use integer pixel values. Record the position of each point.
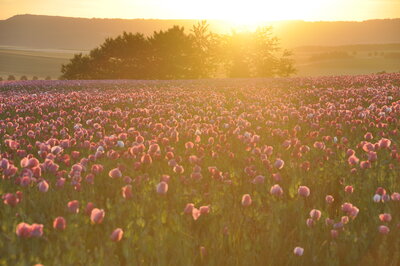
(254, 12)
(243, 12)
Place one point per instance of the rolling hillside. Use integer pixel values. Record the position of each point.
(50, 32)
(38, 45)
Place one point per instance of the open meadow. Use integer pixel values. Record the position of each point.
(288, 171)
(32, 62)
(308, 60)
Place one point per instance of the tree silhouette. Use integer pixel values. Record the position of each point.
(286, 64)
(175, 54)
(78, 68)
(171, 52)
(264, 57)
(235, 54)
(204, 61)
(256, 54)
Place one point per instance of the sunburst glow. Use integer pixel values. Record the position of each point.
(241, 12)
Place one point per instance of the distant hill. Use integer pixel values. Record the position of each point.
(51, 32)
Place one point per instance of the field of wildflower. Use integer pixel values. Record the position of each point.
(300, 171)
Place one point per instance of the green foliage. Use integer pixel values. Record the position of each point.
(175, 54)
(171, 52)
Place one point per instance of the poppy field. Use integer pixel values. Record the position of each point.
(290, 171)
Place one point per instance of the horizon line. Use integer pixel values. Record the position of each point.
(199, 19)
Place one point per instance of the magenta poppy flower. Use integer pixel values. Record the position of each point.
(276, 190)
(246, 200)
(298, 251)
(117, 235)
(73, 206)
(97, 216)
(303, 191)
(162, 188)
(59, 223)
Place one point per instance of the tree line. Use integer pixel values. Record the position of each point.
(176, 54)
(23, 77)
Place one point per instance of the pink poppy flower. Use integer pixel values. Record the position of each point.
(303, 191)
(59, 223)
(195, 213)
(279, 163)
(315, 214)
(188, 208)
(383, 229)
(36, 230)
(349, 189)
(115, 173)
(276, 190)
(385, 217)
(329, 199)
(127, 192)
(10, 199)
(204, 209)
(298, 251)
(384, 143)
(23, 230)
(73, 206)
(43, 186)
(162, 188)
(246, 200)
(97, 216)
(116, 235)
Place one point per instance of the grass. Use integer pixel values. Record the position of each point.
(42, 63)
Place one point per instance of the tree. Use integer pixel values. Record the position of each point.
(175, 54)
(11, 77)
(235, 55)
(48, 78)
(171, 52)
(23, 78)
(204, 61)
(123, 57)
(77, 68)
(264, 55)
(256, 54)
(35, 78)
(286, 64)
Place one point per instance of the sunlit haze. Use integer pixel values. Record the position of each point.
(247, 12)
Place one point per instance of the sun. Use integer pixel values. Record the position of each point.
(255, 12)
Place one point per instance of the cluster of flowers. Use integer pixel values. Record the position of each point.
(182, 137)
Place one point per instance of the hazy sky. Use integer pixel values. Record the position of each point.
(244, 11)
